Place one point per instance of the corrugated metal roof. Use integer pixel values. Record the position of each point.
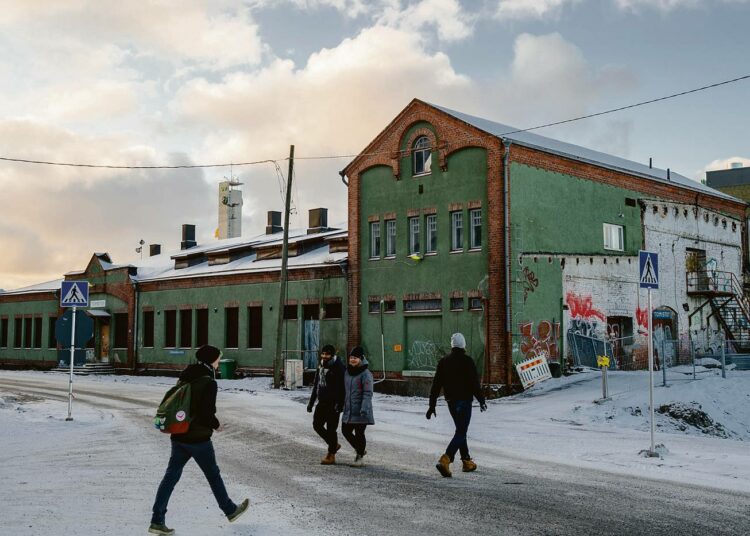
(549, 145)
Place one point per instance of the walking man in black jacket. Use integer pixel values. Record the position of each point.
(196, 442)
(456, 375)
(328, 390)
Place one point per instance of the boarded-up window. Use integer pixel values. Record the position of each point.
(27, 330)
(51, 339)
(201, 323)
(333, 310)
(121, 330)
(148, 329)
(186, 328)
(4, 332)
(17, 332)
(232, 323)
(255, 327)
(290, 312)
(170, 329)
(311, 311)
(38, 332)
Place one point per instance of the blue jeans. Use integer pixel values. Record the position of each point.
(206, 459)
(461, 413)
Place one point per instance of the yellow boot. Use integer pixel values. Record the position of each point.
(469, 465)
(444, 465)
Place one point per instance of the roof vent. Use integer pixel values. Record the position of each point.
(318, 221)
(188, 236)
(274, 222)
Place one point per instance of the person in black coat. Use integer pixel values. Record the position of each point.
(196, 442)
(328, 390)
(457, 376)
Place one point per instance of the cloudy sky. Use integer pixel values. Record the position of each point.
(196, 82)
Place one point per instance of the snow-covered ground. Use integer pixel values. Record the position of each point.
(109, 459)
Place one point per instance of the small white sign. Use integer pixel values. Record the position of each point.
(533, 371)
(180, 416)
(98, 304)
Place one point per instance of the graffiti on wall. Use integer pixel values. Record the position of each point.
(544, 341)
(424, 355)
(530, 282)
(641, 317)
(584, 318)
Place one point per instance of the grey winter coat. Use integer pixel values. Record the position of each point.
(358, 405)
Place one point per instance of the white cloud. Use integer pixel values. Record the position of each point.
(447, 17)
(526, 9)
(668, 5)
(723, 163)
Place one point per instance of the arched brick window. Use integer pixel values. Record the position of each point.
(421, 156)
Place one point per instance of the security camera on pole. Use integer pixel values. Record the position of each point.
(648, 279)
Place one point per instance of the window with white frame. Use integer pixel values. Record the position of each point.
(413, 235)
(390, 238)
(613, 237)
(375, 240)
(475, 217)
(457, 231)
(431, 226)
(421, 156)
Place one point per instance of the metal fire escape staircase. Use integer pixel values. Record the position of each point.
(725, 295)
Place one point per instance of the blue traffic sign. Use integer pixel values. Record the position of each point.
(74, 294)
(648, 274)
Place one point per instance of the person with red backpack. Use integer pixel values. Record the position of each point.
(196, 442)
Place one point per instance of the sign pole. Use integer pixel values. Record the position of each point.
(72, 359)
(652, 450)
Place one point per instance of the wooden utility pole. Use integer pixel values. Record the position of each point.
(278, 358)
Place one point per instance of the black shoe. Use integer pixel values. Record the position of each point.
(239, 511)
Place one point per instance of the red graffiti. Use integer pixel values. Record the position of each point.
(581, 307)
(641, 317)
(545, 341)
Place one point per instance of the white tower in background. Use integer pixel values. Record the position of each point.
(230, 210)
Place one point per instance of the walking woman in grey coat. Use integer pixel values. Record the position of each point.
(358, 405)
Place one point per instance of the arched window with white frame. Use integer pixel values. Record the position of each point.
(421, 156)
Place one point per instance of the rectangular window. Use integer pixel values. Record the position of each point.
(457, 304)
(4, 332)
(457, 231)
(51, 339)
(333, 310)
(613, 237)
(311, 311)
(186, 328)
(27, 329)
(374, 240)
(475, 304)
(201, 327)
(389, 306)
(390, 238)
(290, 312)
(411, 306)
(431, 225)
(475, 217)
(17, 332)
(121, 330)
(38, 332)
(255, 327)
(148, 329)
(413, 235)
(170, 329)
(232, 323)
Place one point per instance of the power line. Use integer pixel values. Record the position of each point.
(331, 157)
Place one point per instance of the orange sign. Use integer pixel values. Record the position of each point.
(396, 347)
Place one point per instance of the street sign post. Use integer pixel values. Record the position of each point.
(73, 294)
(648, 276)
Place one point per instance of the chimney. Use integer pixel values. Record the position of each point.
(274, 222)
(188, 236)
(154, 249)
(318, 221)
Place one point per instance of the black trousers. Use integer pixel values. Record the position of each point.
(355, 435)
(325, 422)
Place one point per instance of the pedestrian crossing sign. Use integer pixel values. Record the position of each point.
(649, 269)
(74, 294)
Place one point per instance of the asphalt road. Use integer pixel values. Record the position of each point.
(399, 492)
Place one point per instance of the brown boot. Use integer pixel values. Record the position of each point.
(330, 459)
(469, 465)
(444, 466)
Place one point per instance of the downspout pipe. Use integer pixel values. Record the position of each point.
(506, 230)
(343, 178)
(135, 326)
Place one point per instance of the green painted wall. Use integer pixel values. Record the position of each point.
(40, 309)
(332, 331)
(423, 337)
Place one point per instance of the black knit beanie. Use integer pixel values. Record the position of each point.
(207, 354)
(328, 349)
(357, 351)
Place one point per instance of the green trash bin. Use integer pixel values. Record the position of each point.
(227, 368)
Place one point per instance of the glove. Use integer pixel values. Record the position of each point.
(483, 407)
(309, 408)
(430, 412)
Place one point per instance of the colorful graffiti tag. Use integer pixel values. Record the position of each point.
(544, 341)
(641, 317)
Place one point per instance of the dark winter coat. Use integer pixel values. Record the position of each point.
(328, 387)
(202, 403)
(457, 376)
(358, 405)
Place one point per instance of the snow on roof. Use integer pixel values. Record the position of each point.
(535, 141)
(47, 286)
